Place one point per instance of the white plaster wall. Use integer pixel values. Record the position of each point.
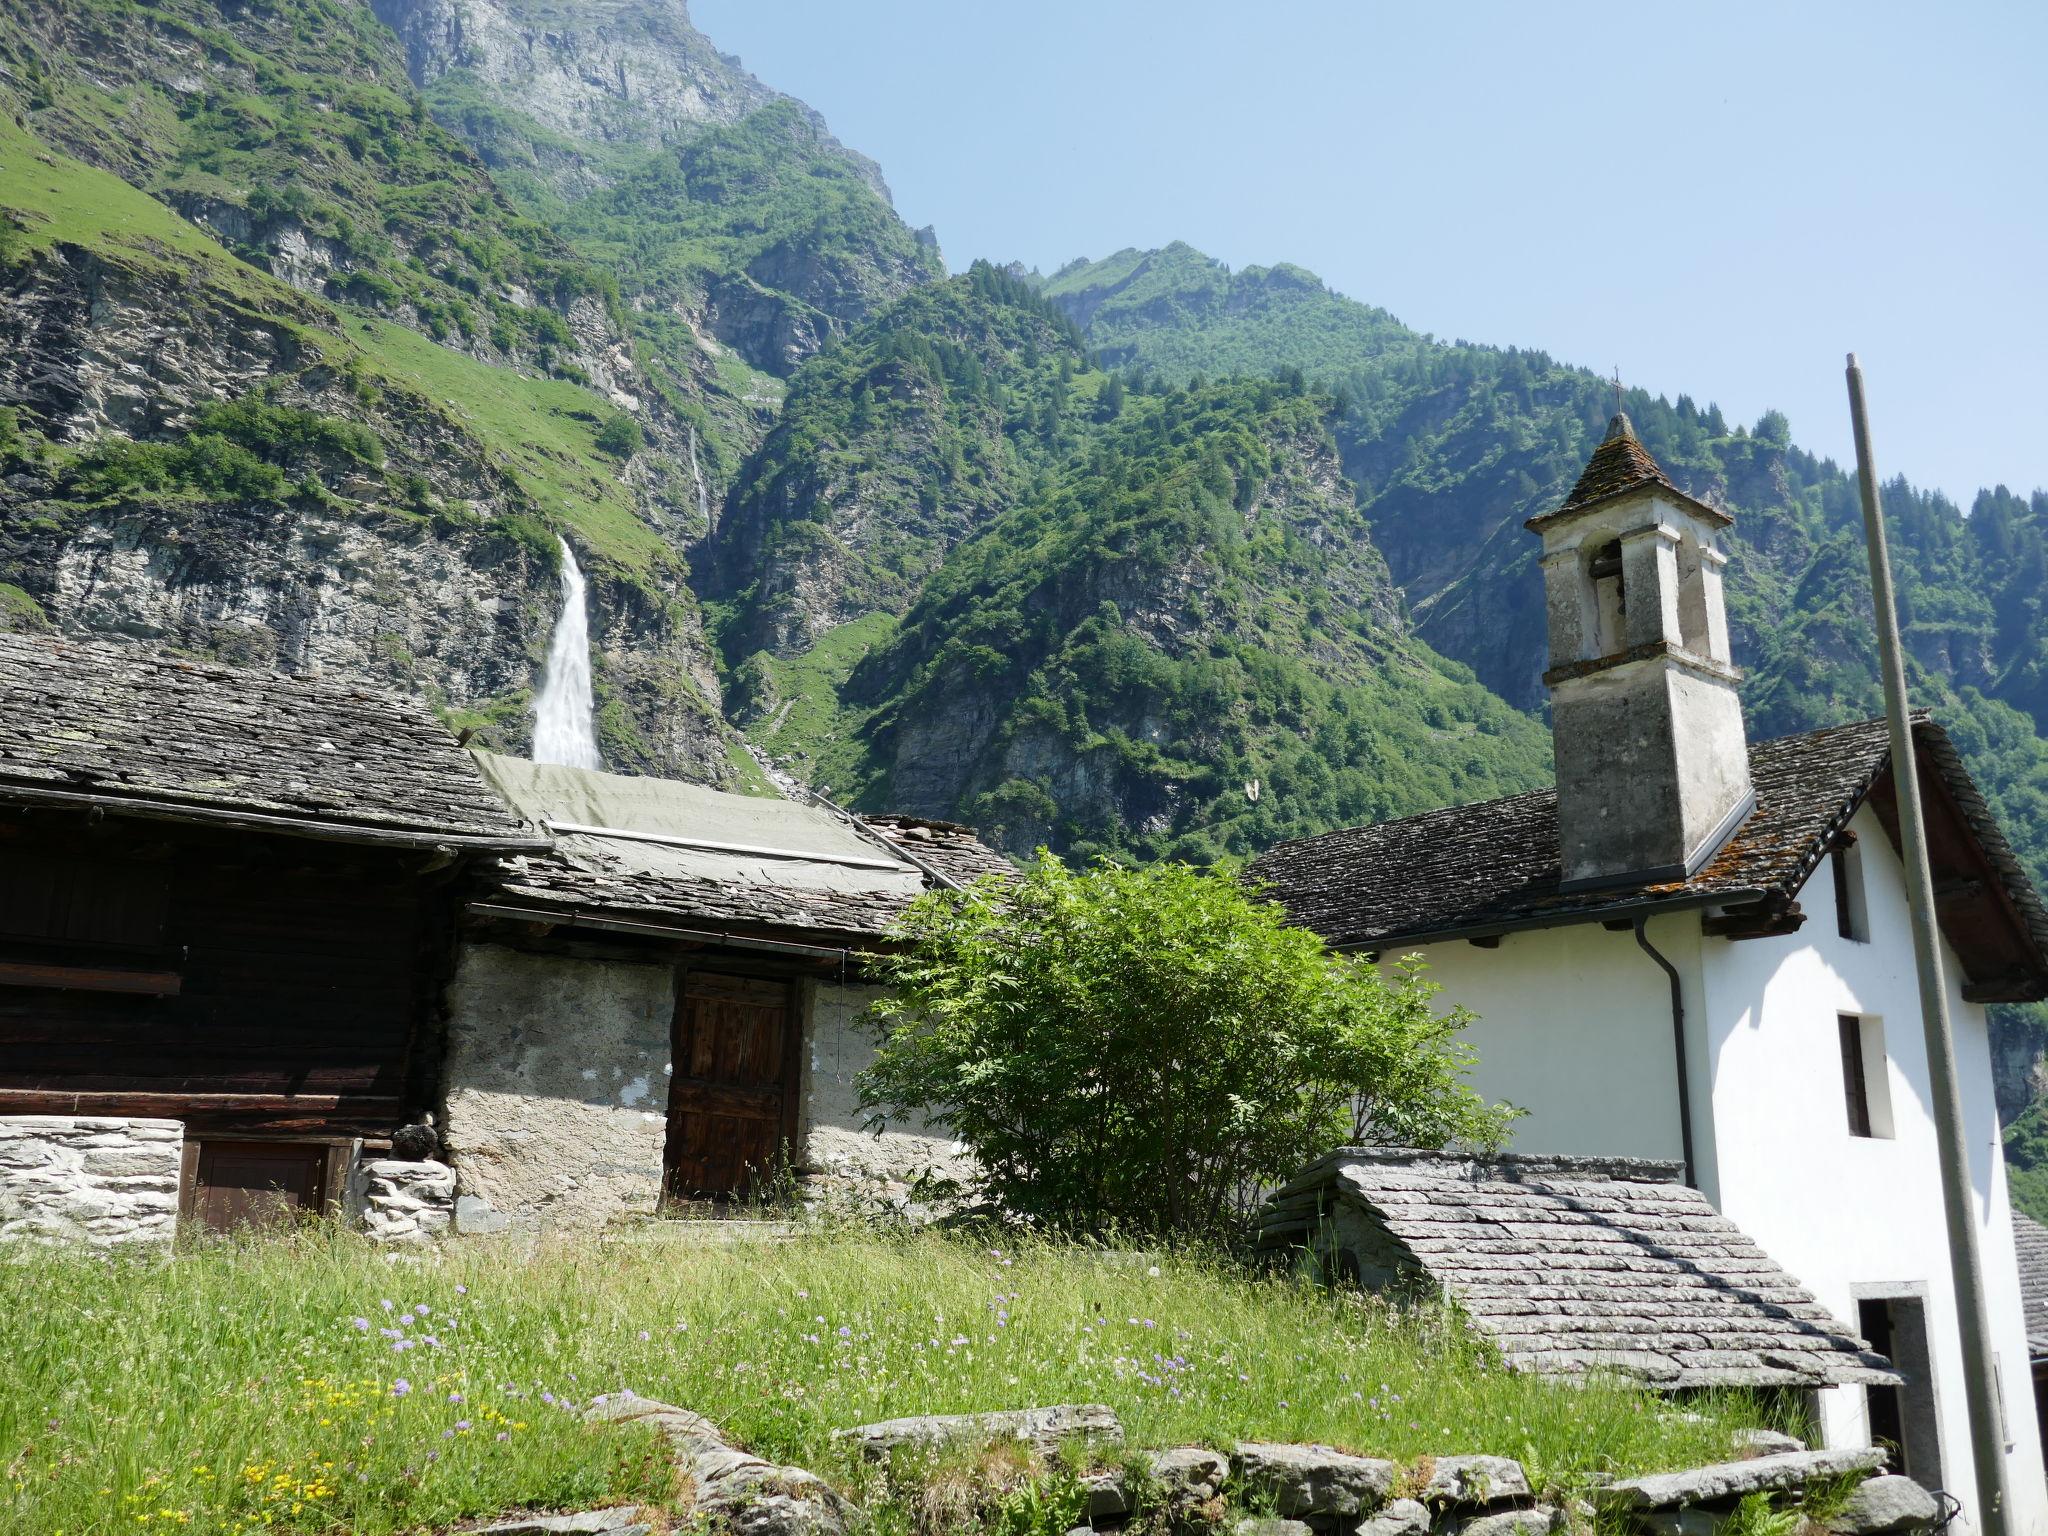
(1574, 1026)
(1840, 1210)
(556, 1088)
(837, 1046)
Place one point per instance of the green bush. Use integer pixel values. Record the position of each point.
(1141, 1049)
(620, 436)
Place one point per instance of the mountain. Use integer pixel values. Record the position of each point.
(1452, 445)
(972, 575)
(292, 376)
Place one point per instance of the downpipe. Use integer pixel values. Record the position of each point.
(1677, 1045)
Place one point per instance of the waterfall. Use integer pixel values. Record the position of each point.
(697, 474)
(563, 730)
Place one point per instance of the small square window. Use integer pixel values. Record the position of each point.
(1866, 1079)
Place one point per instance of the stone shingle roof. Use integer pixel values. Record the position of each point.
(1495, 866)
(83, 722)
(1571, 1265)
(1621, 464)
(585, 878)
(2030, 1242)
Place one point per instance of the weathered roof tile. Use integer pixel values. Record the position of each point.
(334, 757)
(1582, 1268)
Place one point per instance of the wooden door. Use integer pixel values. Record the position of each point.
(258, 1183)
(732, 1099)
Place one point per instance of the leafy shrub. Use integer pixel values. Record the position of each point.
(1141, 1049)
(620, 436)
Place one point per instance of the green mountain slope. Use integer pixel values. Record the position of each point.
(202, 454)
(1184, 646)
(1452, 446)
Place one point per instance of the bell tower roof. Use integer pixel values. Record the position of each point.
(1619, 466)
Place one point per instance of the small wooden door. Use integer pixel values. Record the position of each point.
(732, 1099)
(258, 1183)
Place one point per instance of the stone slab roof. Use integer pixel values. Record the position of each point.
(2030, 1242)
(1620, 465)
(1572, 1265)
(1494, 866)
(140, 732)
(680, 856)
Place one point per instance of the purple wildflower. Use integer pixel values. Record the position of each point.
(423, 1309)
(845, 1333)
(454, 1397)
(362, 1325)
(400, 1387)
(462, 1424)
(385, 1304)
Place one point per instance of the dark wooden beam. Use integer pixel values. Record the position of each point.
(1485, 941)
(81, 978)
(1758, 920)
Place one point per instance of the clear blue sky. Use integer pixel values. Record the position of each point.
(1720, 199)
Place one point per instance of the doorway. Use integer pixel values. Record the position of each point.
(237, 1184)
(1905, 1417)
(732, 1100)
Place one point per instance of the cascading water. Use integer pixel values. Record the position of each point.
(563, 729)
(697, 474)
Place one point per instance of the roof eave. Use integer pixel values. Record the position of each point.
(369, 834)
(1676, 902)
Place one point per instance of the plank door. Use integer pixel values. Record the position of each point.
(258, 1183)
(732, 1099)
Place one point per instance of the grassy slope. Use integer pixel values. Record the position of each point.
(540, 431)
(234, 1390)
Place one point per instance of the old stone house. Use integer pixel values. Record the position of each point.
(226, 916)
(666, 1002)
(264, 941)
(1696, 950)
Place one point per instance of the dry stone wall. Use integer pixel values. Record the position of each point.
(99, 1181)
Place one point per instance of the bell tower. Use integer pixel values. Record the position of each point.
(1652, 759)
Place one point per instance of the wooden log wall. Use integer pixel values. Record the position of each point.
(283, 983)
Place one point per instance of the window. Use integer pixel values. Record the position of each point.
(1610, 602)
(1852, 915)
(1866, 1081)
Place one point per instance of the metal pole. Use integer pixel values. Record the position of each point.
(1980, 1374)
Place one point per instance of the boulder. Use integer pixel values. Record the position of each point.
(1403, 1517)
(1104, 1496)
(1885, 1506)
(1539, 1520)
(621, 1521)
(1310, 1479)
(1768, 1442)
(1475, 1481)
(738, 1491)
(1043, 1428)
(1266, 1525)
(1189, 1474)
(1727, 1481)
(1680, 1522)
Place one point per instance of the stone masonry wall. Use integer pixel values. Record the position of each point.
(405, 1203)
(888, 1167)
(556, 1088)
(107, 1183)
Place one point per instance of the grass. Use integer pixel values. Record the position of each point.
(544, 432)
(313, 1383)
(819, 729)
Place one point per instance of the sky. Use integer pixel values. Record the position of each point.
(1717, 200)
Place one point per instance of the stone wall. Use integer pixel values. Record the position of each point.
(894, 1167)
(107, 1183)
(404, 1203)
(556, 1088)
